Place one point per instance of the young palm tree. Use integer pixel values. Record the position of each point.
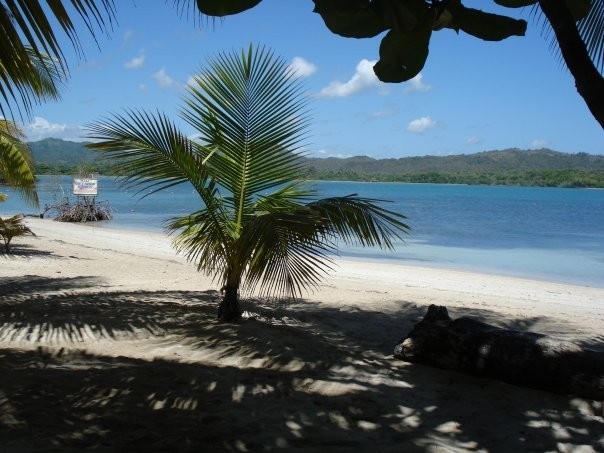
(257, 224)
(11, 228)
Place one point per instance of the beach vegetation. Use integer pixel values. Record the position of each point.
(518, 167)
(16, 164)
(32, 62)
(13, 227)
(260, 225)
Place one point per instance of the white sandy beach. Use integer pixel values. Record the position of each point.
(108, 340)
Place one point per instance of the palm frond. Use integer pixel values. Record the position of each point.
(205, 239)
(361, 221)
(28, 27)
(591, 29)
(153, 155)
(253, 111)
(13, 227)
(287, 252)
(285, 199)
(288, 249)
(151, 151)
(40, 82)
(16, 164)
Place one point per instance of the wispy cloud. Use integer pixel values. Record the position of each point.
(325, 154)
(416, 84)
(163, 79)
(382, 113)
(538, 143)
(301, 67)
(474, 141)
(420, 125)
(128, 35)
(362, 79)
(41, 128)
(135, 63)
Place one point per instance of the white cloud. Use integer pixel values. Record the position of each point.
(135, 63)
(538, 144)
(474, 141)
(420, 125)
(363, 79)
(416, 84)
(163, 79)
(301, 67)
(143, 87)
(42, 128)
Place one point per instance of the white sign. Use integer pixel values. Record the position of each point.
(85, 187)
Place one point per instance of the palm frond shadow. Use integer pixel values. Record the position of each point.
(26, 250)
(15, 289)
(302, 377)
(77, 400)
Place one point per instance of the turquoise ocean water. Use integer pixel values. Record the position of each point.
(545, 233)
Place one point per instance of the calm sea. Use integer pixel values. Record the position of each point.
(544, 233)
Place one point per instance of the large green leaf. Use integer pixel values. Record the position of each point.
(352, 19)
(515, 3)
(404, 16)
(487, 26)
(219, 8)
(403, 55)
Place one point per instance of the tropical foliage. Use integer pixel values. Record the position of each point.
(11, 228)
(258, 225)
(16, 166)
(409, 24)
(32, 61)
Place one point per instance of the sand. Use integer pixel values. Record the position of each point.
(108, 342)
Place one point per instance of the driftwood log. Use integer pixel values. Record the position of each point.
(520, 358)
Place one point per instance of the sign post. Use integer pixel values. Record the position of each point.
(85, 187)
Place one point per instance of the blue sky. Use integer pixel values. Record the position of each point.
(471, 96)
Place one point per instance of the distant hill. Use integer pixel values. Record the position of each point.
(542, 167)
(54, 151)
(484, 162)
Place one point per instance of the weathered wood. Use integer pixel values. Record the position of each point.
(521, 358)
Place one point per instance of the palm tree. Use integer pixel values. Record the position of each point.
(11, 228)
(258, 224)
(16, 166)
(31, 69)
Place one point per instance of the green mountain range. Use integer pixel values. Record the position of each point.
(542, 167)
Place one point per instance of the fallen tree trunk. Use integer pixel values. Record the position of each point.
(521, 358)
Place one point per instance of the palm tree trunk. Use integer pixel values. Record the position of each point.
(589, 82)
(229, 309)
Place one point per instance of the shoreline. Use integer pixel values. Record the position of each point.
(379, 281)
(109, 341)
(398, 258)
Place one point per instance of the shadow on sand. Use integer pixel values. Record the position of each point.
(303, 377)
